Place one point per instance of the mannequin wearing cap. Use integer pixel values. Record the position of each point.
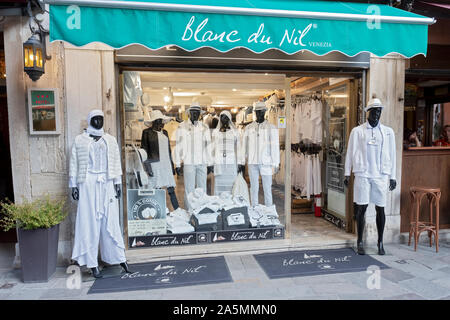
(261, 149)
(371, 156)
(193, 149)
(226, 153)
(155, 141)
(95, 178)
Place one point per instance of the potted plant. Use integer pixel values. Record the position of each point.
(37, 224)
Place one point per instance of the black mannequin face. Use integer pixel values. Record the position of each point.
(194, 115)
(157, 125)
(224, 121)
(97, 122)
(374, 116)
(260, 115)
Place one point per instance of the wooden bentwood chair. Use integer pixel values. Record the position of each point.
(417, 226)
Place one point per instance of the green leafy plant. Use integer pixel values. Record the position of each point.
(40, 213)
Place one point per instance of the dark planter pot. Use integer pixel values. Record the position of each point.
(38, 253)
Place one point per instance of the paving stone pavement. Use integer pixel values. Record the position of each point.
(423, 274)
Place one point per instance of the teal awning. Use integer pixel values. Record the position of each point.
(258, 25)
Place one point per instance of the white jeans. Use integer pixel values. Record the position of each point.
(254, 171)
(194, 177)
(370, 190)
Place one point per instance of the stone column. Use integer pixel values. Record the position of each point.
(386, 81)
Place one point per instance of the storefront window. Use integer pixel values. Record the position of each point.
(202, 154)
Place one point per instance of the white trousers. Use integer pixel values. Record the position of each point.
(110, 252)
(254, 171)
(370, 190)
(194, 177)
(97, 223)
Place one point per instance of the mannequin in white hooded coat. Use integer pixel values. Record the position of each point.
(97, 221)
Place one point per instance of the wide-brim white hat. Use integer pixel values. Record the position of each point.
(260, 106)
(374, 103)
(154, 115)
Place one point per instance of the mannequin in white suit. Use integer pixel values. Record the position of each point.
(371, 156)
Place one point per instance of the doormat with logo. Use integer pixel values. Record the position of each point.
(166, 274)
(314, 262)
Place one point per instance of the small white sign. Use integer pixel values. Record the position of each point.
(281, 122)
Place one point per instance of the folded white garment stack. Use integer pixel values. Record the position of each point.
(263, 216)
(178, 222)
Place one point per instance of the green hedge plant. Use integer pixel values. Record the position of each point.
(40, 213)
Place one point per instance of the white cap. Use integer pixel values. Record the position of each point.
(374, 103)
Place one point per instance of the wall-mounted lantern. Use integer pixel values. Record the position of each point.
(34, 50)
(33, 57)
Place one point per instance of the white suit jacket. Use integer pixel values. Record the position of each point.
(356, 158)
(193, 144)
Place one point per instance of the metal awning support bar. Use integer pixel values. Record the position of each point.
(239, 11)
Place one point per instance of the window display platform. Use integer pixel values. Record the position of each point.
(207, 237)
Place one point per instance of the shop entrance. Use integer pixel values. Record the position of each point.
(322, 111)
(6, 185)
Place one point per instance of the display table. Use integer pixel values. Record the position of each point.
(425, 167)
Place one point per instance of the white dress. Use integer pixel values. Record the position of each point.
(162, 169)
(97, 220)
(225, 155)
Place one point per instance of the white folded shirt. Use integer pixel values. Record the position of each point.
(207, 218)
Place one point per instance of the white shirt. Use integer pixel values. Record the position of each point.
(261, 144)
(193, 145)
(373, 144)
(98, 161)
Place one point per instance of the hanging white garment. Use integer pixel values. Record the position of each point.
(316, 121)
(132, 88)
(97, 220)
(294, 170)
(171, 127)
(294, 125)
(317, 176)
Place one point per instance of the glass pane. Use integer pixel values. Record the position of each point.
(337, 117)
(28, 56)
(39, 58)
(202, 158)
